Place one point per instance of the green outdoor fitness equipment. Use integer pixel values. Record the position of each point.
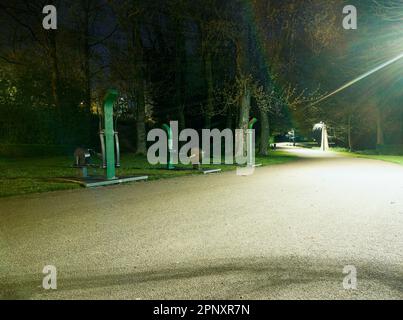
(171, 152)
(108, 136)
(110, 146)
(168, 129)
(251, 149)
(110, 150)
(252, 123)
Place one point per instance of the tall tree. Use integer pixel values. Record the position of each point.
(130, 65)
(177, 9)
(91, 34)
(28, 16)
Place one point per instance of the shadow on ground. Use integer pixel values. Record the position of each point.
(255, 278)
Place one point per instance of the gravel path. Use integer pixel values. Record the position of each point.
(285, 232)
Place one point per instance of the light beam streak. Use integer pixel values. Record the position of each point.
(365, 75)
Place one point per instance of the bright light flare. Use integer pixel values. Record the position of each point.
(363, 76)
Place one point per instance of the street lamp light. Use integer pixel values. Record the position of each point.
(324, 146)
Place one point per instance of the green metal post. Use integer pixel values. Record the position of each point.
(168, 129)
(252, 123)
(251, 151)
(109, 101)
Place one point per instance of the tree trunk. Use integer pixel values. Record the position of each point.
(229, 121)
(55, 83)
(245, 97)
(181, 117)
(180, 69)
(401, 127)
(244, 113)
(140, 124)
(55, 69)
(140, 91)
(210, 90)
(87, 67)
(350, 140)
(87, 57)
(380, 140)
(264, 134)
(244, 108)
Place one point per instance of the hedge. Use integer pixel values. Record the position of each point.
(34, 150)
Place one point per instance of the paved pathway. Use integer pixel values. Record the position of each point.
(284, 233)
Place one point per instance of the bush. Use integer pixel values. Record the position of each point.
(392, 149)
(34, 150)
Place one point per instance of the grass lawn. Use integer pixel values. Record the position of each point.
(371, 155)
(387, 158)
(35, 175)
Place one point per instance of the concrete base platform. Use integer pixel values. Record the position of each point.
(211, 171)
(93, 182)
(204, 171)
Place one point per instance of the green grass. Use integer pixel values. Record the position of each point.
(372, 154)
(20, 176)
(387, 158)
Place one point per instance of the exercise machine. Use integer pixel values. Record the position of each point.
(171, 150)
(195, 154)
(251, 146)
(110, 149)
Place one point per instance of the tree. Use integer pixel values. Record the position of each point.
(89, 15)
(129, 64)
(180, 62)
(28, 16)
(215, 30)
